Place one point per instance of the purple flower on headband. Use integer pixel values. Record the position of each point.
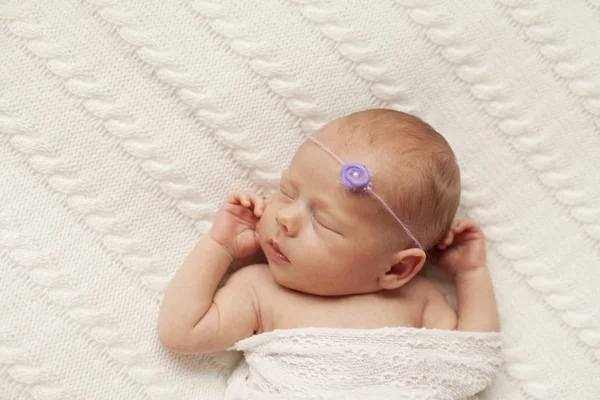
(355, 176)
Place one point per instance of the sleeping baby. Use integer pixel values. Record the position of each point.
(332, 305)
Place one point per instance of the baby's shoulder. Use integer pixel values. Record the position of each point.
(259, 279)
(255, 275)
(436, 312)
(420, 288)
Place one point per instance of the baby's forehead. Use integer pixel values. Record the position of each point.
(311, 156)
(314, 168)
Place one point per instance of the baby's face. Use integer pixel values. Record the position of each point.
(319, 237)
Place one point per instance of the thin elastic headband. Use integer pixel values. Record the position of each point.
(355, 177)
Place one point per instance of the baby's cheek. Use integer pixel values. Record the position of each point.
(260, 228)
(264, 223)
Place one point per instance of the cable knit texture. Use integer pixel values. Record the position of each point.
(124, 123)
(398, 363)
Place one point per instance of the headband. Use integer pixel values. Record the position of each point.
(355, 177)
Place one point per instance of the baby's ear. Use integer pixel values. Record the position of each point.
(404, 266)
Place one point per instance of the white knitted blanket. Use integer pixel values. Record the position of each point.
(355, 364)
(124, 123)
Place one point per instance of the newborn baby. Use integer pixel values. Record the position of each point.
(361, 205)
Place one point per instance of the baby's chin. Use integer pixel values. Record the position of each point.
(284, 276)
(286, 279)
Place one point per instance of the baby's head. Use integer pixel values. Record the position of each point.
(322, 238)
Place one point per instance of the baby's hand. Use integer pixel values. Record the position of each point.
(234, 227)
(463, 249)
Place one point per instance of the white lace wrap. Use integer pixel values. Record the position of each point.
(399, 363)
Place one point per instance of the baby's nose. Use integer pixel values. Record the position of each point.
(289, 220)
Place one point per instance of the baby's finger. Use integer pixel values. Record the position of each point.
(458, 227)
(235, 198)
(255, 202)
(447, 241)
(250, 201)
(245, 200)
(259, 206)
(462, 226)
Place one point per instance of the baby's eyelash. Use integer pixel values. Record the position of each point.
(321, 224)
(285, 193)
(312, 216)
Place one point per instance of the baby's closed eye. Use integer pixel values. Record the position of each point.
(285, 191)
(319, 220)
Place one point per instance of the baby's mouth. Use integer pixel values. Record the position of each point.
(277, 251)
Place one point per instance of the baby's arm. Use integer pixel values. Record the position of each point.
(477, 310)
(193, 318)
(464, 256)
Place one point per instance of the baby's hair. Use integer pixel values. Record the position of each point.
(422, 178)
